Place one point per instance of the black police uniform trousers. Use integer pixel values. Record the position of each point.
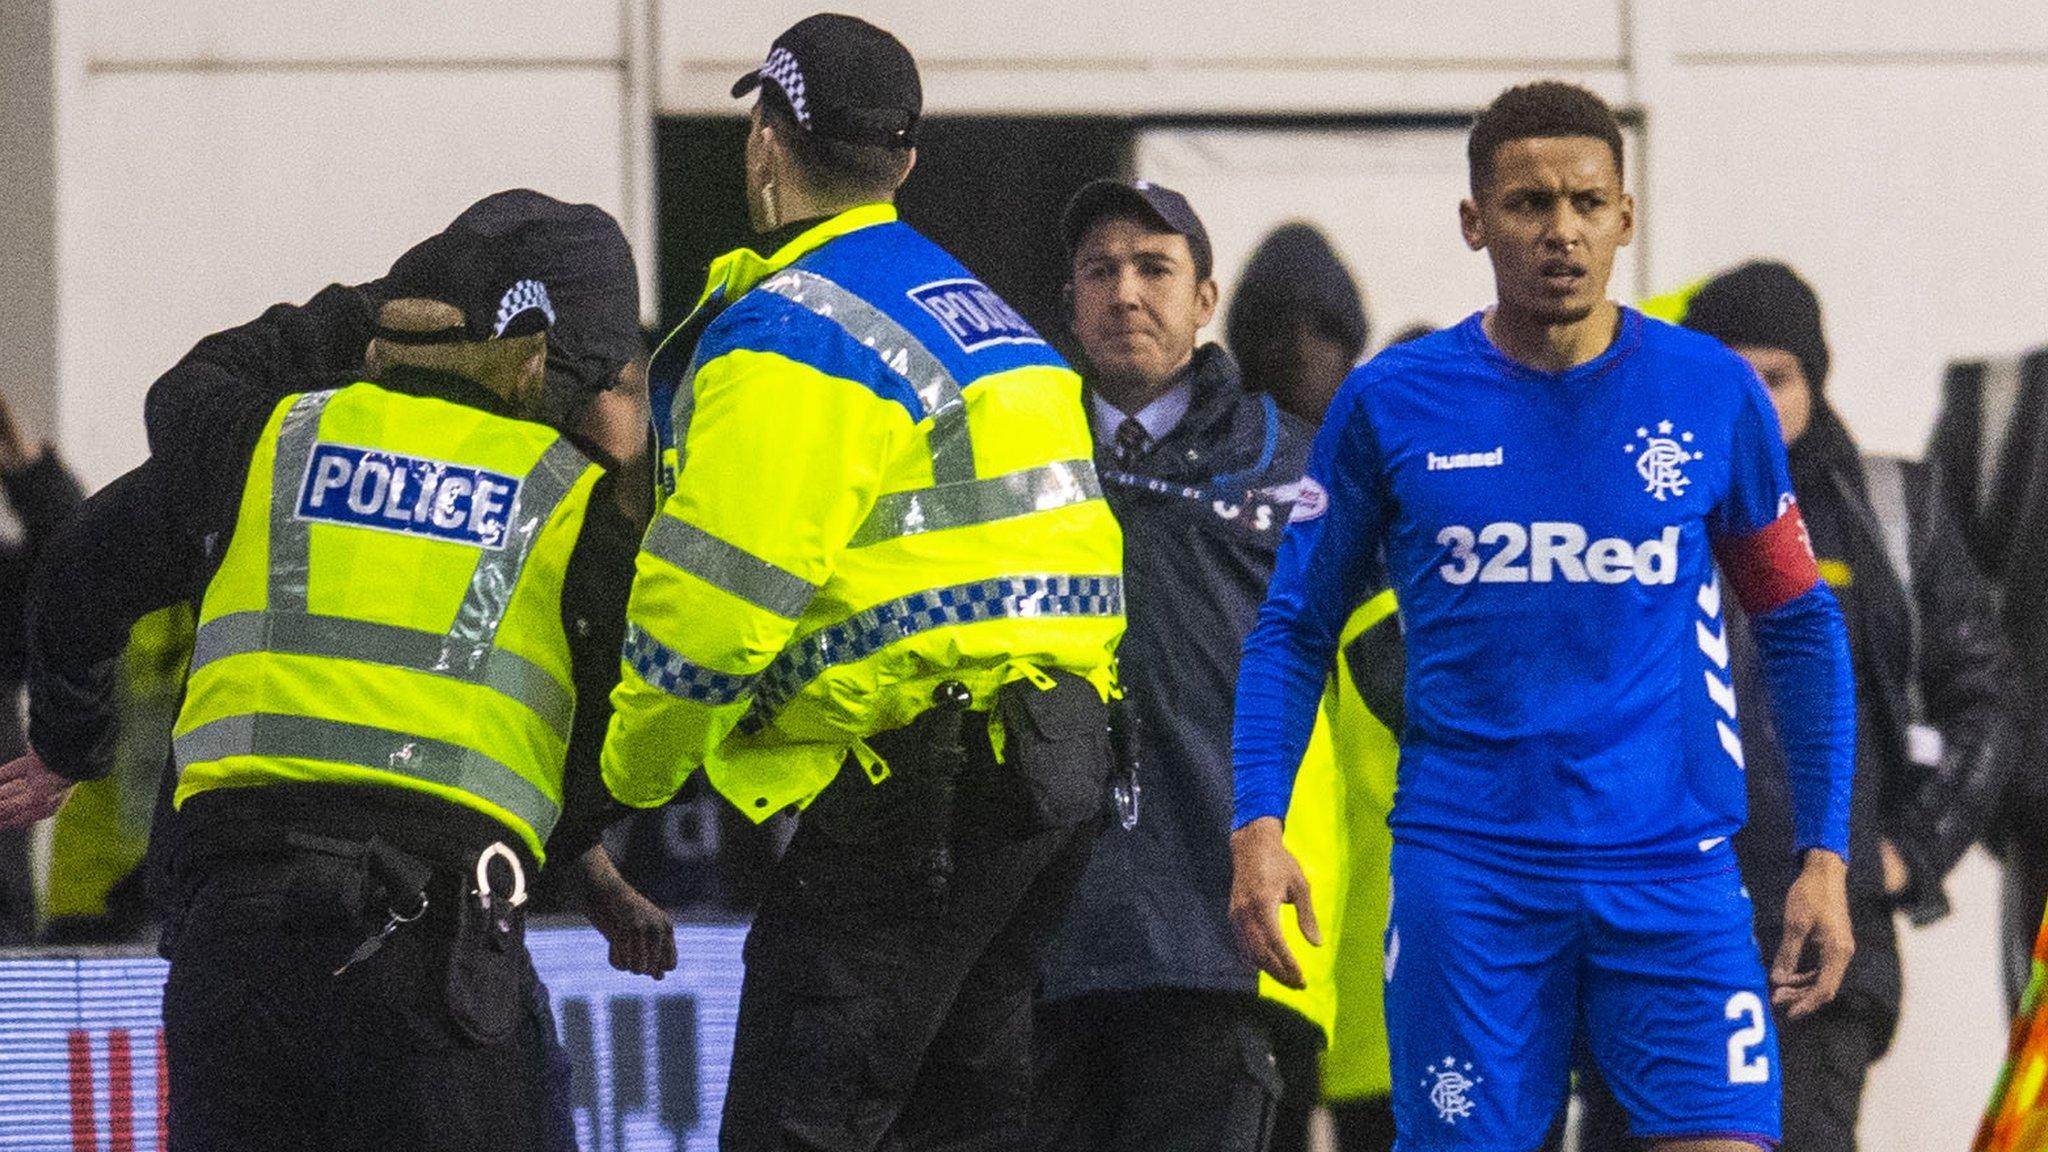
(877, 1014)
(429, 1043)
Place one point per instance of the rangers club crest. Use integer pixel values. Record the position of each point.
(1450, 1088)
(1661, 460)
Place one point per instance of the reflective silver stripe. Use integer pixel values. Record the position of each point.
(497, 572)
(729, 567)
(1884, 478)
(681, 407)
(274, 735)
(952, 449)
(301, 634)
(1040, 489)
(291, 537)
(868, 632)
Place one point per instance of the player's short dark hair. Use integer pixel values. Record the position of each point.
(1547, 108)
(842, 171)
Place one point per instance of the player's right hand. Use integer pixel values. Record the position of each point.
(1263, 876)
(1816, 913)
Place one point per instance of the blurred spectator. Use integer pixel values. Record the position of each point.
(1990, 448)
(42, 494)
(1297, 323)
(1150, 1034)
(1934, 732)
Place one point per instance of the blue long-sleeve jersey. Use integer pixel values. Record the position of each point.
(1552, 540)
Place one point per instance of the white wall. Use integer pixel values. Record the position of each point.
(213, 159)
(1887, 150)
(1149, 56)
(28, 220)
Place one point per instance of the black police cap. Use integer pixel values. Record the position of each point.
(581, 254)
(519, 262)
(484, 278)
(1144, 200)
(845, 79)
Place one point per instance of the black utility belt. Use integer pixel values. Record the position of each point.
(363, 894)
(1052, 774)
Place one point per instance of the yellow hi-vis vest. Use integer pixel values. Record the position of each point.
(389, 610)
(1337, 828)
(881, 480)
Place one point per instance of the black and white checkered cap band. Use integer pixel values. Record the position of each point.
(783, 70)
(525, 296)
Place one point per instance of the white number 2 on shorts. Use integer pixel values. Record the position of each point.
(1742, 1067)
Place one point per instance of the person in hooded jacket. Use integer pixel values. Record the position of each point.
(1297, 322)
(1935, 731)
(1150, 1032)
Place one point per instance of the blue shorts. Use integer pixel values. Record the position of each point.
(1493, 975)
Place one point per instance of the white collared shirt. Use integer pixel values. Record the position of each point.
(1159, 417)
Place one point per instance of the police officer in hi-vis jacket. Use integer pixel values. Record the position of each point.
(882, 586)
(382, 736)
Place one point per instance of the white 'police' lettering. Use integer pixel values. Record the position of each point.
(392, 492)
(973, 315)
(1556, 550)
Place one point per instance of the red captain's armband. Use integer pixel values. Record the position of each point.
(1772, 567)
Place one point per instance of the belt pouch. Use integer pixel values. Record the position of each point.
(487, 969)
(1056, 746)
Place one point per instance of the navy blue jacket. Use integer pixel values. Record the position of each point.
(1202, 511)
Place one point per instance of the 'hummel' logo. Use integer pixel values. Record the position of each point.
(1493, 459)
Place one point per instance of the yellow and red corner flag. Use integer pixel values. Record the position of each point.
(2017, 1118)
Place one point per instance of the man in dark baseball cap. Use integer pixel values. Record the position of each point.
(1146, 947)
(482, 278)
(1143, 200)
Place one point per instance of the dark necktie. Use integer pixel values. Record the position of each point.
(1130, 439)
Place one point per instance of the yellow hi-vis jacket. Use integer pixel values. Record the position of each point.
(1337, 828)
(102, 833)
(389, 610)
(877, 478)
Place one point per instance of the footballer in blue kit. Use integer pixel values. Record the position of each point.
(1564, 495)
